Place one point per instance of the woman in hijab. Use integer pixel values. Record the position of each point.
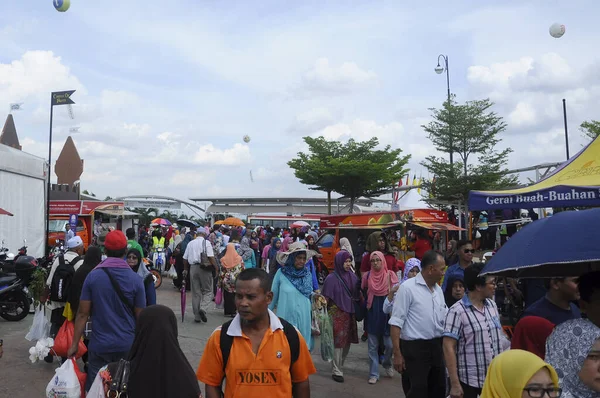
(518, 374)
(573, 349)
(340, 289)
(455, 290)
(255, 244)
(378, 241)
(378, 283)
(135, 262)
(451, 253)
(247, 253)
(530, 334)
(285, 244)
(178, 256)
(292, 290)
(231, 266)
(272, 264)
(158, 367)
(345, 245)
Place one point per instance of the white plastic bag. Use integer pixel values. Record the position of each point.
(172, 273)
(64, 384)
(97, 388)
(40, 328)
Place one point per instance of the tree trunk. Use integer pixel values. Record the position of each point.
(351, 209)
(329, 202)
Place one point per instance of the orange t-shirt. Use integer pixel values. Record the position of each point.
(266, 374)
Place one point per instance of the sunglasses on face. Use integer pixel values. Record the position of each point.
(469, 250)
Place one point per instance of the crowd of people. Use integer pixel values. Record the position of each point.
(433, 319)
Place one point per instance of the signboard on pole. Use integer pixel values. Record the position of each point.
(62, 97)
(157, 204)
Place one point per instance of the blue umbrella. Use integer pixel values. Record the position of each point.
(566, 244)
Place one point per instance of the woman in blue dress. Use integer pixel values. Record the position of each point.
(292, 290)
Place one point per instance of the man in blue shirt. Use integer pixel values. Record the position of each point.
(465, 258)
(113, 295)
(556, 306)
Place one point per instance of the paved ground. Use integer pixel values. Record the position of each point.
(20, 378)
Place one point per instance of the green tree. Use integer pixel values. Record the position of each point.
(108, 199)
(353, 169)
(590, 129)
(474, 132)
(312, 168)
(145, 215)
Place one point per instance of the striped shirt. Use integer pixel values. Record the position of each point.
(479, 338)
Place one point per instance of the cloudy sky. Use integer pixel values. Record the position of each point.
(166, 91)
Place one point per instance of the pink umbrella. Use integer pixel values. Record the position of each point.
(183, 299)
(4, 212)
(300, 224)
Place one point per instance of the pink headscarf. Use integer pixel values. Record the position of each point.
(285, 245)
(378, 282)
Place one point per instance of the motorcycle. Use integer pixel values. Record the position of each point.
(8, 260)
(14, 295)
(156, 275)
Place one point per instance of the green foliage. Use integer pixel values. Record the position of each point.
(590, 129)
(469, 130)
(353, 169)
(37, 286)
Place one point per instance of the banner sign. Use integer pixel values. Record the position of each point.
(62, 97)
(558, 196)
(157, 204)
(73, 221)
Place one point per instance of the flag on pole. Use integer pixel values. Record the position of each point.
(415, 180)
(431, 190)
(407, 177)
(419, 181)
(16, 106)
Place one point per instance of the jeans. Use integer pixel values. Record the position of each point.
(374, 354)
(470, 392)
(97, 361)
(202, 289)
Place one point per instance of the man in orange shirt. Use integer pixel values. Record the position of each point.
(258, 354)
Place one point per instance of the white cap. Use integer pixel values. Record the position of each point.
(74, 242)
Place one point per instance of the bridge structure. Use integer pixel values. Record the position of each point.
(161, 202)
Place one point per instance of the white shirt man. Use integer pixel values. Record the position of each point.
(201, 275)
(417, 325)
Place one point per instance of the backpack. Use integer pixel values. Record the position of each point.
(62, 279)
(291, 334)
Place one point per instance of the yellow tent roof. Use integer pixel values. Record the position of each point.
(573, 183)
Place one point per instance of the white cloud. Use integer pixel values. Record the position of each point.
(35, 75)
(362, 130)
(523, 115)
(235, 156)
(325, 78)
(314, 119)
(191, 178)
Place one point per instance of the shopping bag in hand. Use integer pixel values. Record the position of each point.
(40, 328)
(64, 339)
(65, 383)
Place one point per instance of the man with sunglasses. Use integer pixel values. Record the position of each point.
(465, 258)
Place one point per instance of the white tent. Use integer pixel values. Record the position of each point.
(412, 199)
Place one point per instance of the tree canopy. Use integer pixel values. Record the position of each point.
(470, 130)
(353, 169)
(590, 129)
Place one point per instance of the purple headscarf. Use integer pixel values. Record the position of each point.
(334, 289)
(410, 264)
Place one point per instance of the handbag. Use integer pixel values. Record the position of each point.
(204, 260)
(359, 307)
(120, 380)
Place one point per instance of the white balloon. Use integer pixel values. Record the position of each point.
(246, 139)
(557, 30)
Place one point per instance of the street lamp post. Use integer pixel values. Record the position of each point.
(439, 69)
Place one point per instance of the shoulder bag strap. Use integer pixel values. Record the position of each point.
(344, 284)
(225, 343)
(119, 292)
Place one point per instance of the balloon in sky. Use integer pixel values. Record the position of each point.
(62, 5)
(246, 139)
(557, 30)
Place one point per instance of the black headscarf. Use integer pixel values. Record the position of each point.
(92, 258)
(159, 369)
(450, 301)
